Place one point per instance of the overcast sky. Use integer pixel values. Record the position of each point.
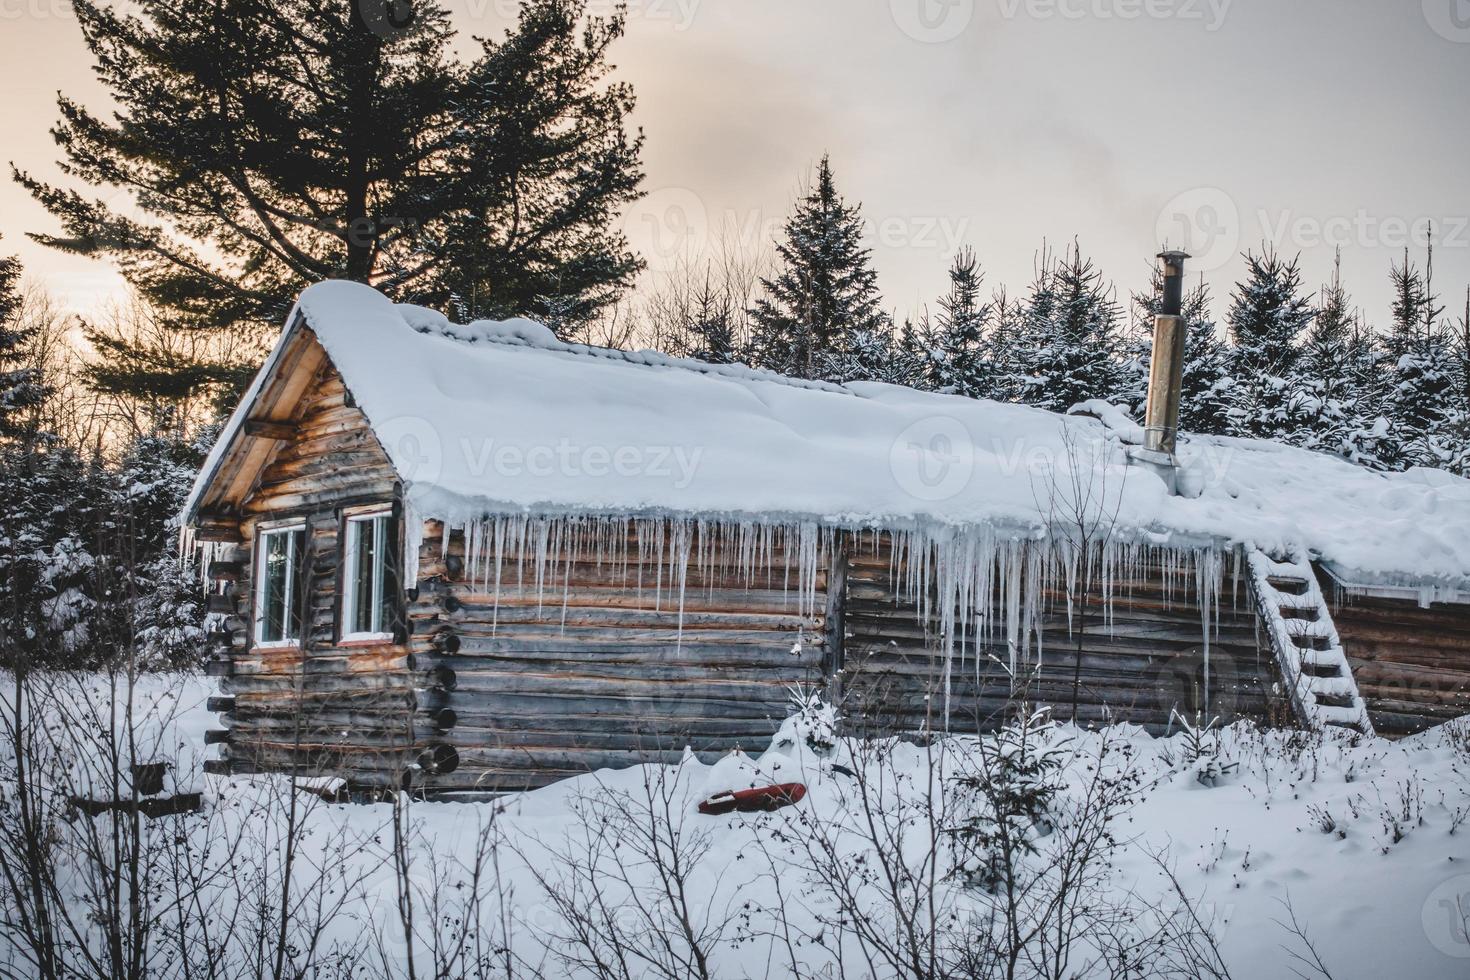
(992, 123)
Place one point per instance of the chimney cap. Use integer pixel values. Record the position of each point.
(1173, 255)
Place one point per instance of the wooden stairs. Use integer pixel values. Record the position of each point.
(1313, 664)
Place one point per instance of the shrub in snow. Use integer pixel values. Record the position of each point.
(813, 722)
(1006, 797)
(1199, 749)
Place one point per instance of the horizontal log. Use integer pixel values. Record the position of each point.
(281, 431)
(222, 534)
(225, 571)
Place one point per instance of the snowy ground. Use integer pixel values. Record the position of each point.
(1368, 843)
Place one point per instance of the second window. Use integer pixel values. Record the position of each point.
(365, 579)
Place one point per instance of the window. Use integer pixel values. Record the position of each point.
(277, 603)
(365, 593)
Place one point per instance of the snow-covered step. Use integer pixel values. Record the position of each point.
(1338, 687)
(1304, 639)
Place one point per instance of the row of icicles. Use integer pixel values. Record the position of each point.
(974, 586)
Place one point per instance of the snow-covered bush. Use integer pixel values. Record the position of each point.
(1005, 796)
(170, 616)
(812, 721)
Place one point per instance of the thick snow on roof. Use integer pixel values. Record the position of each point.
(501, 418)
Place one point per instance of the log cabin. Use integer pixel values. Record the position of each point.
(471, 559)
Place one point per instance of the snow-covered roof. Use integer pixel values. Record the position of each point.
(500, 418)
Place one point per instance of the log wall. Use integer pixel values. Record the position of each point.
(1139, 664)
(1412, 665)
(322, 707)
(596, 666)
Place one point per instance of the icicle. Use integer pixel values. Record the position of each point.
(413, 540)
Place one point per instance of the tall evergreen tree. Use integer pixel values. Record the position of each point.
(1336, 407)
(540, 167)
(269, 145)
(1422, 379)
(953, 347)
(1071, 345)
(870, 354)
(1004, 346)
(713, 327)
(1268, 314)
(1456, 428)
(21, 387)
(826, 293)
(1415, 309)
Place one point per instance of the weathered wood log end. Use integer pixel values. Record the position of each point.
(217, 736)
(220, 705)
(442, 678)
(439, 759)
(218, 667)
(217, 767)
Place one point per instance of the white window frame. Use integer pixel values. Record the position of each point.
(350, 598)
(293, 562)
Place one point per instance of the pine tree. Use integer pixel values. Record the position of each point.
(826, 294)
(540, 169)
(21, 388)
(870, 355)
(1414, 308)
(1455, 430)
(271, 145)
(954, 355)
(1422, 386)
(1268, 314)
(1071, 343)
(713, 327)
(1005, 345)
(167, 375)
(1367, 440)
(1336, 407)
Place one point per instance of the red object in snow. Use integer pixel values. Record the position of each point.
(761, 798)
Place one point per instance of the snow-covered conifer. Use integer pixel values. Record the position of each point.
(826, 293)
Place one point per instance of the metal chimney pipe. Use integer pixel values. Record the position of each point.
(1166, 369)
